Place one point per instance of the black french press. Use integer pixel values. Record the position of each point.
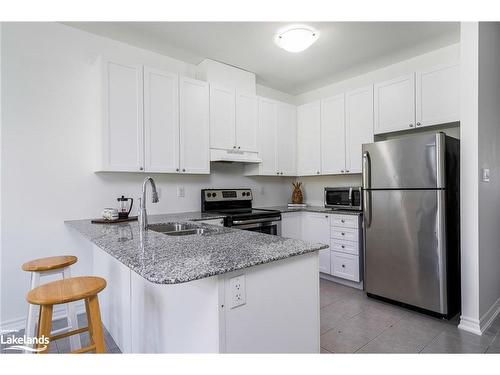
(124, 209)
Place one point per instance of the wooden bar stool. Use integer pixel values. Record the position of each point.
(45, 267)
(65, 291)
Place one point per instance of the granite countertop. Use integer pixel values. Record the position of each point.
(321, 209)
(164, 259)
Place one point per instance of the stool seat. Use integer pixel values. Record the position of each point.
(50, 263)
(66, 290)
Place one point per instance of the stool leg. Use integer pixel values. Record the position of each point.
(45, 325)
(30, 330)
(74, 340)
(95, 324)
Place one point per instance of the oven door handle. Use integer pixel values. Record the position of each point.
(264, 220)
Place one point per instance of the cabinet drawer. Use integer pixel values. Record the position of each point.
(345, 266)
(349, 234)
(345, 221)
(341, 246)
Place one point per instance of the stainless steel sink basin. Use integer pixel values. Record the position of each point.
(180, 229)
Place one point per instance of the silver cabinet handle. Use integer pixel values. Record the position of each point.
(317, 172)
(342, 171)
(264, 220)
(239, 147)
(342, 246)
(183, 170)
(418, 124)
(141, 168)
(343, 266)
(234, 146)
(347, 171)
(177, 169)
(411, 125)
(342, 221)
(277, 173)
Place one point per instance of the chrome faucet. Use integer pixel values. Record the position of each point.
(143, 216)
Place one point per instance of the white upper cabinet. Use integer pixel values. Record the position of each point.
(194, 126)
(268, 119)
(395, 104)
(246, 122)
(222, 118)
(309, 139)
(358, 126)
(161, 121)
(333, 135)
(286, 139)
(438, 91)
(122, 141)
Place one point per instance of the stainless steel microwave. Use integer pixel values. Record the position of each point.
(344, 198)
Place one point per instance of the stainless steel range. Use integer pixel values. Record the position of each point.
(236, 204)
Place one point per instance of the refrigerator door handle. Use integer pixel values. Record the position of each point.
(366, 193)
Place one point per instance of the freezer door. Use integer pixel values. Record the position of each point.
(405, 247)
(412, 162)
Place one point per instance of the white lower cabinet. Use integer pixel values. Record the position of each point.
(342, 232)
(316, 228)
(345, 266)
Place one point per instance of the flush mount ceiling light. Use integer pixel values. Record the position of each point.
(296, 38)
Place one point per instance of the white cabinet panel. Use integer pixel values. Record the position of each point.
(267, 136)
(309, 139)
(333, 151)
(348, 247)
(286, 139)
(291, 225)
(194, 126)
(161, 120)
(316, 228)
(345, 221)
(122, 141)
(359, 125)
(438, 91)
(222, 118)
(395, 104)
(246, 122)
(348, 234)
(345, 266)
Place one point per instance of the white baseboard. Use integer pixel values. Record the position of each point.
(338, 280)
(479, 326)
(17, 324)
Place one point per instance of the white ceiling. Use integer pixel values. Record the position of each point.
(343, 49)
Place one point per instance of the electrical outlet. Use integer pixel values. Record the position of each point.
(181, 192)
(238, 293)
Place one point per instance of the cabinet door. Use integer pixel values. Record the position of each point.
(438, 91)
(161, 121)
(123, 143)
(291, 225)
(395, 104)
(194, 126)
(309, 139)
(316, 228)
(246, 122)
(286, 139)
(333, 135)
(222, 118)
(359, 125)
(267, 136)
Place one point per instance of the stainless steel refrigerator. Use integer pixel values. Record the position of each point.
(411, 221)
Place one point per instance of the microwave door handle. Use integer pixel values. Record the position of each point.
(351, 203)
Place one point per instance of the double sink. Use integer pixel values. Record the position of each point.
(181, 229)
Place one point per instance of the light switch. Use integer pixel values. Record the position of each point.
(486, 175)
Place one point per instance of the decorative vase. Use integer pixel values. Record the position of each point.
(297, 196)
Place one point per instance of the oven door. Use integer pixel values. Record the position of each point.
(259, 225)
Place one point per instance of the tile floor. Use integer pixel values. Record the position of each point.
(62, 345)
(353, 323)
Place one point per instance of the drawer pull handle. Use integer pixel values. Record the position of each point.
(342, 246)
(343, 233)
(343, 266)
(342, 221)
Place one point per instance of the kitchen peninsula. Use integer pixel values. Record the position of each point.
(219, 290)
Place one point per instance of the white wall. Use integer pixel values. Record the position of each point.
(47, 151)
(489, 157)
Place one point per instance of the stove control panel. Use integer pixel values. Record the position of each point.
(221, 195)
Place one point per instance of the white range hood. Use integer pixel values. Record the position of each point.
(234, 156)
